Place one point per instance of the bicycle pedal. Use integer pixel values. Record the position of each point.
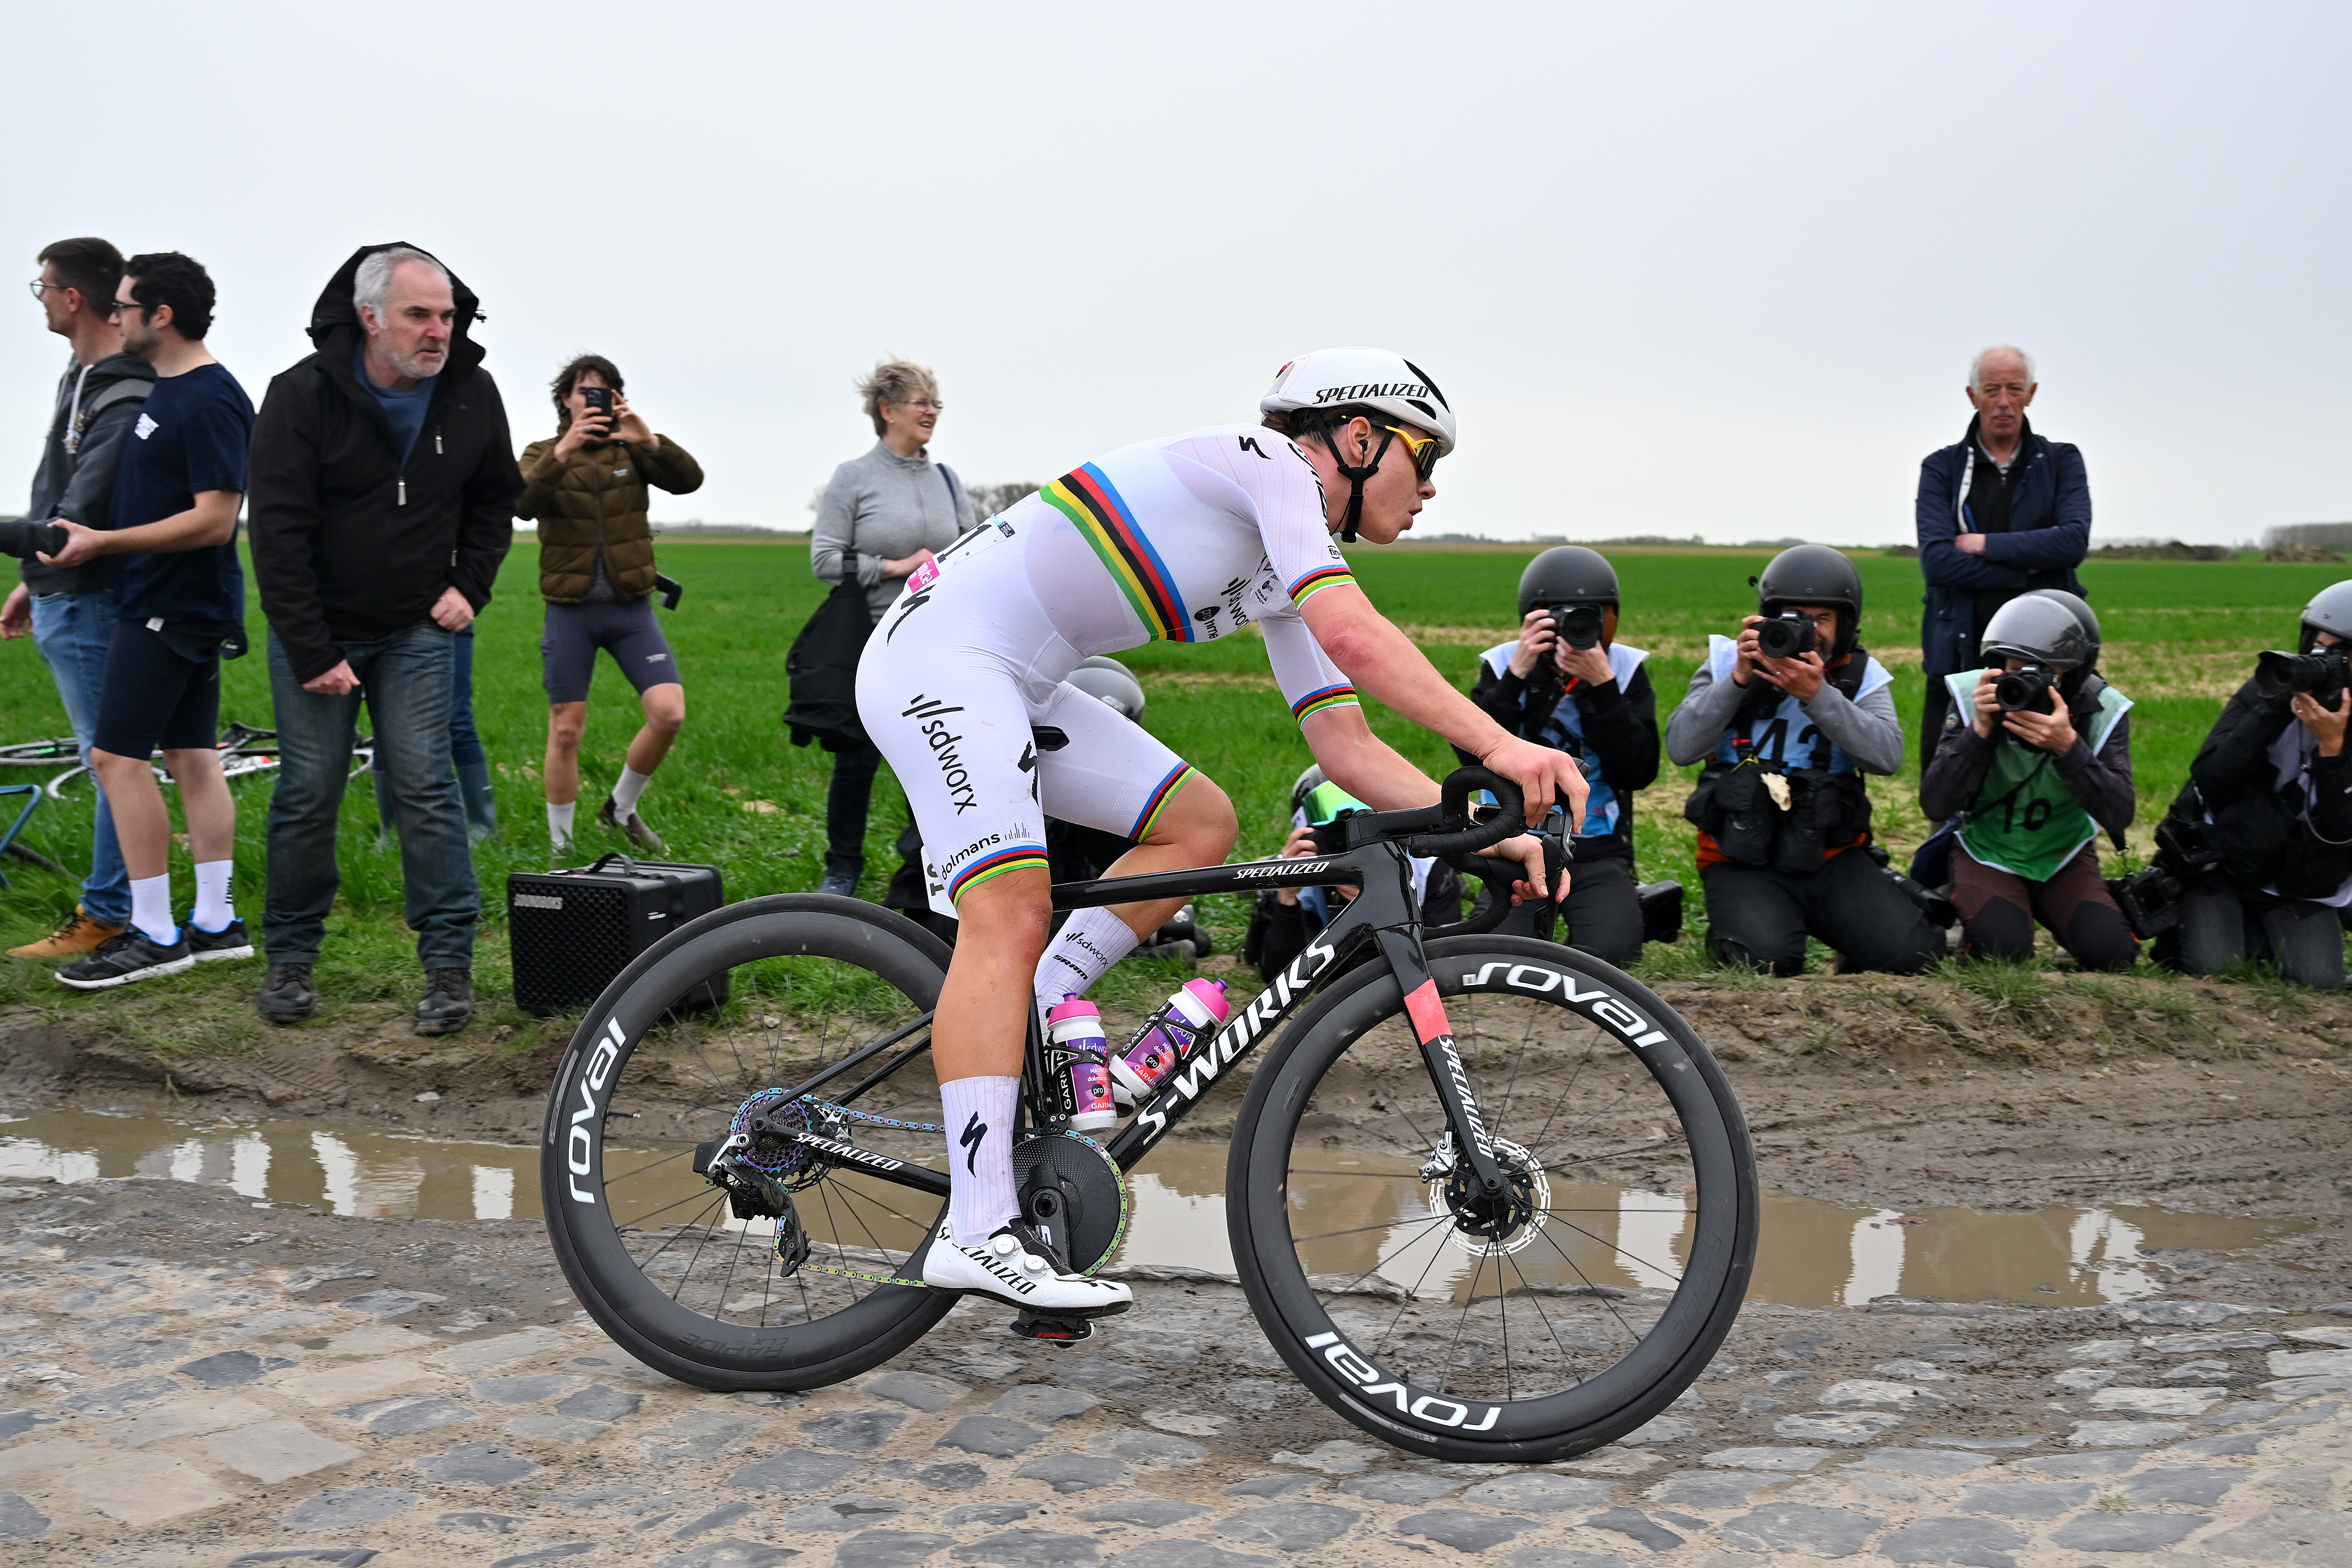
(1053, 1330)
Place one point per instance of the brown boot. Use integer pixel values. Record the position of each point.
(77, 936)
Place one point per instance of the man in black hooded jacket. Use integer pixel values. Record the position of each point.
(380, 486)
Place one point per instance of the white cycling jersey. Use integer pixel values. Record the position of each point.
(1185, 539)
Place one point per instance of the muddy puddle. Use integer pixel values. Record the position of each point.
(1813, 1253)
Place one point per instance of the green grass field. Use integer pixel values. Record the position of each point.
(2180, 637)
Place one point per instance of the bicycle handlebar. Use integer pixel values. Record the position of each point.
(1454, 803)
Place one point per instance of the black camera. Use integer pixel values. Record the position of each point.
(1787, 635)
(2150, 899)
(27, 539)
(1577, 625)
(2027, 690)
(2323, 671)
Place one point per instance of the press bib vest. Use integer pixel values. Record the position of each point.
(1564, 731)
(2025, 820)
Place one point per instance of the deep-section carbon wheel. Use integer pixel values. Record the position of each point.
(1525, 1325)
(656, 1253)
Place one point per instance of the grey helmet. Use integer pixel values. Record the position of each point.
(1111, 683)
(1813, 574)
(1568, 574)
(2084, 616)
(2330, 610)
(1303, 786)
(2037, 630)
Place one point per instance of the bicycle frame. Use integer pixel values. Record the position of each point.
(1384, 913)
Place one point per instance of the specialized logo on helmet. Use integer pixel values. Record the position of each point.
(1364, 391)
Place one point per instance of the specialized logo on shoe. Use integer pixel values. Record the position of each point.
(943, 745)
(973, 1132)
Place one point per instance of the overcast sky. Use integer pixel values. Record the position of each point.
(1713, 269)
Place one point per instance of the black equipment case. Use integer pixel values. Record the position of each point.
(571, 931)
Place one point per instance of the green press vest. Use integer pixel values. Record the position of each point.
(2025, 820)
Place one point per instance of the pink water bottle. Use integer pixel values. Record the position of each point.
(1181, 1026)
(1076, 1028)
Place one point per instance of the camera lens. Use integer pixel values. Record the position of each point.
(1787, 635)
(1579, 625)
(2024, 690)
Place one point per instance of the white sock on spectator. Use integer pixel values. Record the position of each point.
(981, 1196)
(1088, 943)
(151, 909)
(215, 905)
(625, 794)
(559, 823)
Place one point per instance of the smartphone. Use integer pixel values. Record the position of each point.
(599, 401)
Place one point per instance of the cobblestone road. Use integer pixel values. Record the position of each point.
(185, 1380)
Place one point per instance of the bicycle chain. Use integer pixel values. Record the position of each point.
(870, 1119)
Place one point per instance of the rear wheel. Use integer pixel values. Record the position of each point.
(655, 1251)
(1563, 1314)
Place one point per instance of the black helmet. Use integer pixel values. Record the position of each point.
(1568, 574)
(1813, 574)
(1111, 683)
(2330, 610)
(2040, 629)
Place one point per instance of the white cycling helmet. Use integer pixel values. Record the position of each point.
(1373, 378)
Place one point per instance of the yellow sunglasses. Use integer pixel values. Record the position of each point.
(1422, 448)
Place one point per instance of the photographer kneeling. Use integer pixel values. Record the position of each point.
(2272, 791)
(1788, 716)
(1567, 682)
(2044, 765)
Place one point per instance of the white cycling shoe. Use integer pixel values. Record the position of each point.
(1015, 1268)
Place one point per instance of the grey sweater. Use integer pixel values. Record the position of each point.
(1868, 730)
(886, 506)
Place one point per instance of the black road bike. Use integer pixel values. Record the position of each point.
(1489, 1198)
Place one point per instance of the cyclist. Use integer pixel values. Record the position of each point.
(1183, 539)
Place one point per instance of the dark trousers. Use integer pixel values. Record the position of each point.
(845, 804)
(406, 683)
(1931, 720)
(1600, 911)
(1997, 909)
(1758, 918)
(2224, 923)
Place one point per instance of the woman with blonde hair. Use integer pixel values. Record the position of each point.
(883, 515)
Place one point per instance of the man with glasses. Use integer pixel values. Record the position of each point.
(384, 484)
(181, 602)
(70, 611)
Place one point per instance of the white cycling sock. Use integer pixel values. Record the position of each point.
(1088, 943)
(981, 1196)
(625, 794)
(151, 911)
(559, 823)
(215, 907)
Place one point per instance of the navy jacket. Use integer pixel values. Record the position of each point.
(2049, 534)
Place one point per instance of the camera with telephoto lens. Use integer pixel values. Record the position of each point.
(2323, 671)
(2027, 690)
(1787, 635)
(2150, 899)
(27, 539)
(1577, 626)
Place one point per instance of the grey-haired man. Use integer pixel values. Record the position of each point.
(382, 486)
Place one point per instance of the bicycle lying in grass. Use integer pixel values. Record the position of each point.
(1455, 1147)
(244, 750)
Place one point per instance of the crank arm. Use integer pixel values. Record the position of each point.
(1439, 1054)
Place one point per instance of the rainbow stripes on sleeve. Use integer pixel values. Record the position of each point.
(1317, 700)
(1012, 858)
(1094, 506)
(1315, 582)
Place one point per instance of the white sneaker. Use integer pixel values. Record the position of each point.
(1015, 1268)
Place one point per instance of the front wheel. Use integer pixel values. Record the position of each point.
(1525, 1327)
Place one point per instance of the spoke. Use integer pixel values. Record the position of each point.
(684, 1274)
(1565, 1090)
(1650, 1148)
(1611, 1246)
(1445, 1375)
(1518, 1058)
(1360, 1229)
(1607, 1304)
(649, 1165)
(639, 1221)
(1411, 1296)
(1541, 1316)
(1423, 1226)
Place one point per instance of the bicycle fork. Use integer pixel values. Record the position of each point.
(1401, 948)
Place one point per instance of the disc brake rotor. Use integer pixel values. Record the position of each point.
(1506, 1224)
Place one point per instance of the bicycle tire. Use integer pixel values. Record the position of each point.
(675, 1072)
(1352, 1059)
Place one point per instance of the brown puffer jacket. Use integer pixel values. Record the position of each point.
(596, 502)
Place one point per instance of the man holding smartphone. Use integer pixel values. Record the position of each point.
(589, 488)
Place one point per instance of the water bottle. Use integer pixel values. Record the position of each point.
(1076, 1028)
(1181, 1026)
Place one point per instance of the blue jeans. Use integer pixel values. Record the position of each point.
(465, 741)
(72, 632)
(405, 680)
